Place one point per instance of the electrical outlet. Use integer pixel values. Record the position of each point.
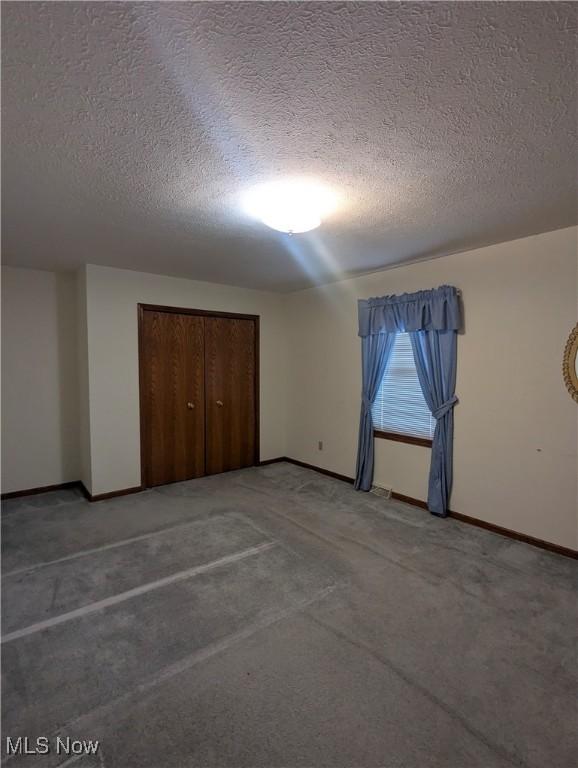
(320, 445)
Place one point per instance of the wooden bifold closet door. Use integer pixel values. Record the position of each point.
(198, 394)
(230, 394)
(172, 397)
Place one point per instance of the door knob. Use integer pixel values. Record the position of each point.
(220, 403)
(190, 406)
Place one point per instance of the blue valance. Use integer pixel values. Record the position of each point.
(434, 310)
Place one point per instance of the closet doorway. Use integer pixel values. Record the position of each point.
(199, 392)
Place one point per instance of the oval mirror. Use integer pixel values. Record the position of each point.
(570, 363)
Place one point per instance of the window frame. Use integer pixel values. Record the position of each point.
(401, 437)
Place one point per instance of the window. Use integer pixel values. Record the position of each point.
(400, 409)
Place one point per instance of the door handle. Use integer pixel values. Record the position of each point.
(190, 406)
(220, 403)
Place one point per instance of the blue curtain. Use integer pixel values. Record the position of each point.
(435, 357)
(375, 352)
(435, 310)
(432, 318)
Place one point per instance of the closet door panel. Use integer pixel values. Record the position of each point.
(172, 368)
(230, 393)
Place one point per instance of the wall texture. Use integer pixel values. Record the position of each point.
(84, 460)
(515, 452)
(112, 296)
(39, 379)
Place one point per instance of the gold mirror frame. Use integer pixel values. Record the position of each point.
(569, 363)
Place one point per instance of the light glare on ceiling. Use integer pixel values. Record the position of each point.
(292, 206)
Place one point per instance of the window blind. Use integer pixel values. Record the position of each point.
(399, 405)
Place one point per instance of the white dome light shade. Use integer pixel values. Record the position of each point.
(289, 206)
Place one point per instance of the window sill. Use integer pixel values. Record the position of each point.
(403, 438)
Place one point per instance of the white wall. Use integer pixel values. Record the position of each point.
(85, 468)
(112, 297)
(39, 379)
(515, 449)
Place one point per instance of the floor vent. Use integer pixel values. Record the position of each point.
(378, 490)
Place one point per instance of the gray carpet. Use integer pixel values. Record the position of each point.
(275, 617)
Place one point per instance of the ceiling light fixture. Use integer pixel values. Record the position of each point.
(292, 206)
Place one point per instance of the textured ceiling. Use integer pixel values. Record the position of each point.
(130, 129)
